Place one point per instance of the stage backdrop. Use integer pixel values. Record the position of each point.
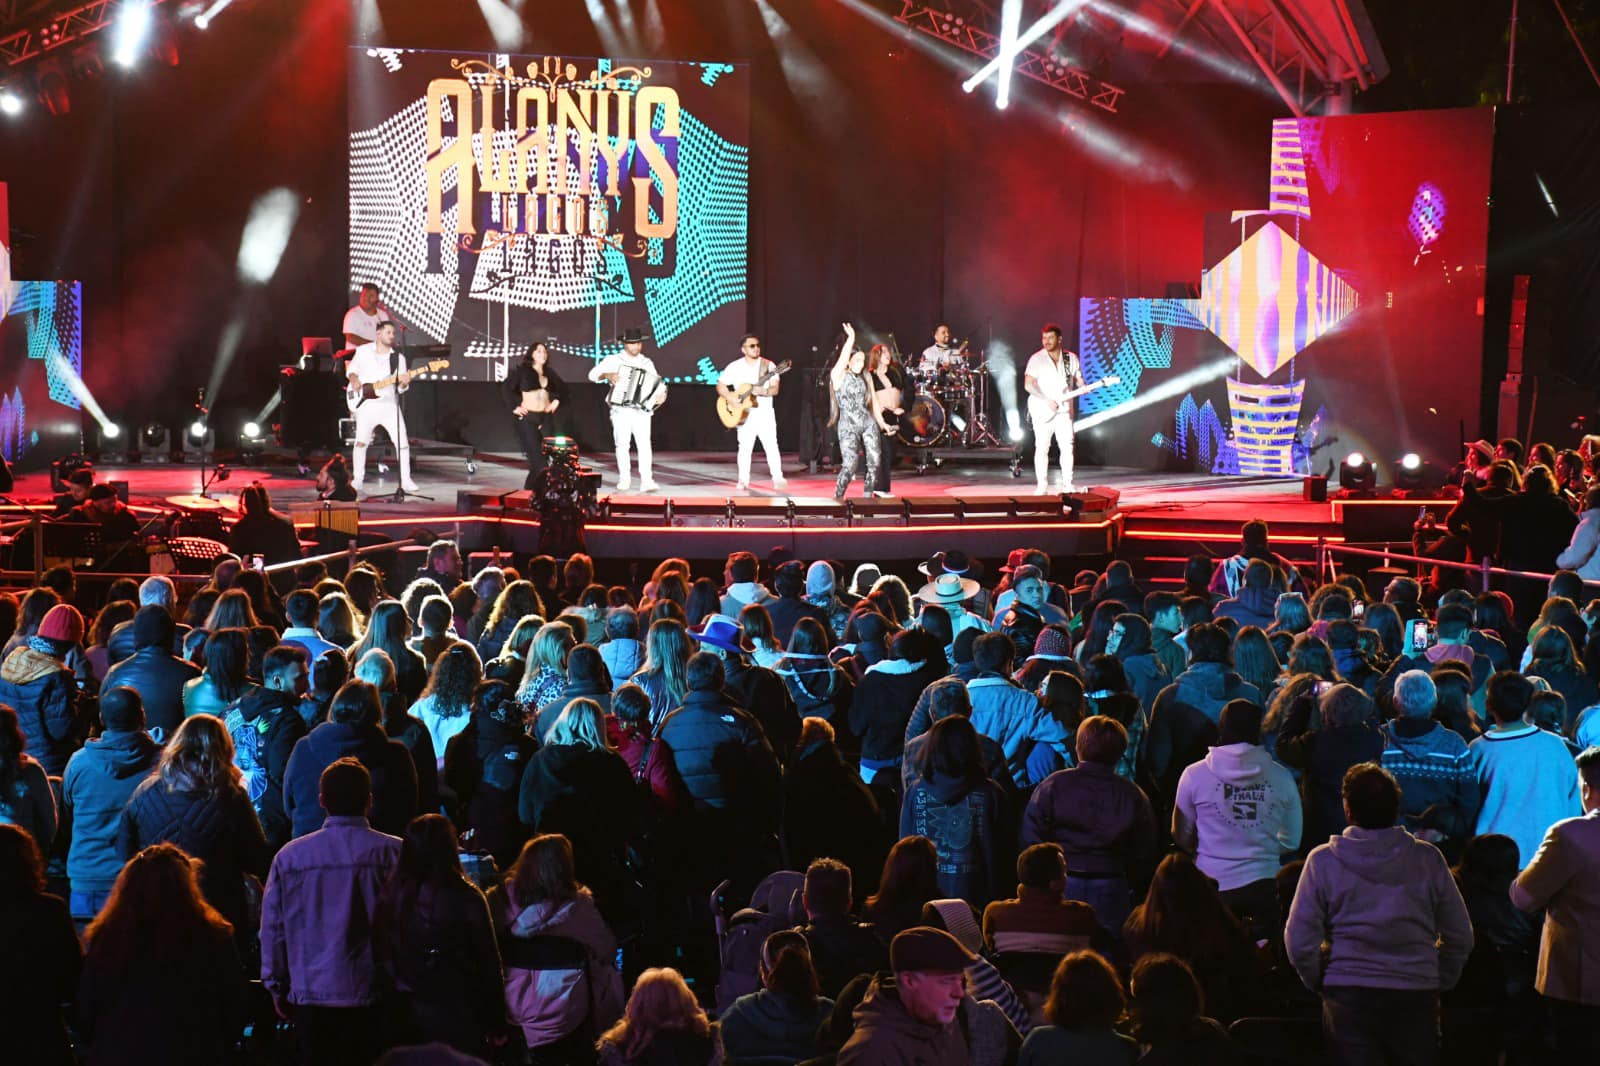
(1341, 312)
(502, 199)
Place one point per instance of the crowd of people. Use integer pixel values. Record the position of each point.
(800, 811)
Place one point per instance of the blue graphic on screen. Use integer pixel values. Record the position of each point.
(41, 353)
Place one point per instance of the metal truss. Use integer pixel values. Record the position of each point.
(965, 33)
(45, 33)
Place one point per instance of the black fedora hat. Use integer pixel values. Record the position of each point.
(631, 334)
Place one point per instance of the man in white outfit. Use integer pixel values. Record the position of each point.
(370, 364)
(1052, 373)
(761, 423)
(630, 422)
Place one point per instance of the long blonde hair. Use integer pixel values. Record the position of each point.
(199, 757)
(582, 723)
(661, 1003)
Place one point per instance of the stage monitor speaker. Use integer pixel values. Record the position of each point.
(1314, 489)
(1094, 500)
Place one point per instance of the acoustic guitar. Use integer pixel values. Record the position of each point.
(733, 412)
(356, 395)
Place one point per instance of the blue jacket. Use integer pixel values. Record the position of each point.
(100, 779)
(1434, 770)
(394, 775)
(1013, 717)
(42, 691)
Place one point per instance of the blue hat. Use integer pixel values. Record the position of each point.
(719, 631)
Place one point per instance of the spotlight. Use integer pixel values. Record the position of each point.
(1357, 475)
(197, 429)
(133, 26)
(111, 431)
(202, 20)
(1413, 477)
(252, 431)
(1411, 461)
(10, 102)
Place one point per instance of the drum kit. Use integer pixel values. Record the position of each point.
(949, 408)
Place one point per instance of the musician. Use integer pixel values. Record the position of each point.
(1051, 373)
(861, 423)
(102, 508)
(370, 364)
(941, 354)
(761, 422)
(535, 392)
(361, 321)
(888, 383)
(79, 482)
(632, 407)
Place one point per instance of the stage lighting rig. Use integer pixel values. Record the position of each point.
(1357, 475)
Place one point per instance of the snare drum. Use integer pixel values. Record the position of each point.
(923, 424)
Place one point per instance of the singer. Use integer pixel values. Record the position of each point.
(534, 391)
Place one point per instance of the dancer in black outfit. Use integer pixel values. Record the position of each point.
(535, 393)
(888, 382)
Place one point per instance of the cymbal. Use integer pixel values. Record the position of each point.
(196, 502)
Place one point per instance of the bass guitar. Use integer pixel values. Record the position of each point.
(356, 395)
(733, 412)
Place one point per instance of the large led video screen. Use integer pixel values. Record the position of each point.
(500, 200)
(1342, 313)
(41, 363)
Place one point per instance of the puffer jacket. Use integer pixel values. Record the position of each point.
(759, 690)
(969, 822)
(265, 725)
(545, 1004)
(120, 646)
(220, 829)
(159, 677)
(623, 658)
(394, 775)
(705, 735)
(881, 706)
(100, 780)
(1103, 822)
(1250, 607)
(41, 689)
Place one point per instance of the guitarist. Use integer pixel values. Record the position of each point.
(1052, 372)
(742, 378)
(374, 362)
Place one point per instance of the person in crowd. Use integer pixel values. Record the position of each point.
(1167, 1016)
(577, 786)
(761, 691)
(1438, 782)
(1581, 552)
(1378, 928)
(337, 620)
(1256, 661)
(1103, 823)
(1238, 812)
(100, 779)
(881, 704)
(434, 946)
(158, 943)
(1255, 546)
(662, 1023)
(486, 588)
(37, 683)
(154, 671)
(512, 662)
(1255, 602)
(544, 679)
(821, 594)
(743, 587)
(154, 591)
(1040, 920)
(516, 601)
(1526, 778)
(98, 656)
(1129, 642)
(1028, 613)
(841, 947)
(483, 767)
(816, 686)
(328, 674)
(631, 736)
(790, 605)
(1034, 743)
(955, 593)
(36, 603)
(445, 706)
(444, 565)
(233, 610)
(910, 880)
(1563, 881)
(541, 896)
(387, 631)
(667, 651)
(40, 939)
(317, 911)
(965, 813)
(778, 1023)
(226, 675)
(1107, 691)
(910, 1016)
(1098, 631)
(943, 699)
(1083, 1012)
(1052, 650)
(377, 669)
(827, 810)
(1323, 737)
(435, 620)
(26, 798)
(1556, 662)
(622, 652)
(354, 729)
(196, 799)
(586, 679)
(262, 531)
(265, 725)
(1183, 720)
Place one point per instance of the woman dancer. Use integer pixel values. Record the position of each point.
(535, 393)
(854, 410)
(888, 382)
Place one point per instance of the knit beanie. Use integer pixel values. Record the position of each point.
(819, 579)
(62, 622)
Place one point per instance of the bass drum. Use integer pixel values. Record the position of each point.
(923, 424)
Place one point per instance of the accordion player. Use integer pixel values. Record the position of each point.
(635, 391)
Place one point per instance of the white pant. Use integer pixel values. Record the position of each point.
(371, 415)
(629, 425)
(760, 424)
(1058, 427)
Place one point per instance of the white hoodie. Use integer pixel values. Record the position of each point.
(1239, 811)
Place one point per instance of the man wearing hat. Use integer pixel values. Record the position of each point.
(910, 1017)
(755, 688)
(102, 508)
(37, 683)
(950, 588)
(631, 415)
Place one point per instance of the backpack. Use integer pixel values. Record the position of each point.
(774, 905)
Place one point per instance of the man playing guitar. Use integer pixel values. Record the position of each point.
(753, 375)
(1052, 372)
(372, 363)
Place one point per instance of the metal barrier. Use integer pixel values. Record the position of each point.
(1484, 568)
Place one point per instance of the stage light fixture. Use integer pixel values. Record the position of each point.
(133, 26)
(1357, 474)
(1413, 477)
(10, 102)
(111, 431)
(252, 431)
(1411, 461)
(197, 429)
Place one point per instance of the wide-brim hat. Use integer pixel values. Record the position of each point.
(1482, 447)
(719, 631)
(952, 562)
(630, 335)
(948, 589)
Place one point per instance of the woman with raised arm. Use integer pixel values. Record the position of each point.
(536, 392)
(855, 411)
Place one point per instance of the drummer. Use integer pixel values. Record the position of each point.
(940, 355)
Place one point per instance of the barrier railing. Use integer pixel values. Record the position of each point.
(1484, 569)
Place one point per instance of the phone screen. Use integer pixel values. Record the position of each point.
(1417, 638)
(258, 563)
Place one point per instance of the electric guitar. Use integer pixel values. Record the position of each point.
(356, 395)
(1039, 413)
(733, 412)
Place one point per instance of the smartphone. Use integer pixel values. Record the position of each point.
(1358, 610)
(258, 563)
(1418, 637)
(1321, 687)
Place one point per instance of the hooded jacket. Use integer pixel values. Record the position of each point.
(41, 689)
(550, 1004)
(1183, 720)
(394, 775)
(970, 824)
(887, 1035)
(159, 677)
(623, 657)
(1388, 909)
(767, 1027)
(100, 779)
(741, 594)
(1240, 812)
(881, 705)
(1146, 676)
(1580, 553)
(265, 725)
(1250, 607)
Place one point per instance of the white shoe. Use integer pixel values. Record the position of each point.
(1041, 489)
(779, 484)
(624, 485)
(743, 486)
(648, 486)
(880, 494)
(409, 486)
(358, 484)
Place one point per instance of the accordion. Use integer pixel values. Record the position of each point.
(635, 387)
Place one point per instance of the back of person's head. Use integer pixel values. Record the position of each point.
(544, 871)
(827, 892)
(1165, 998)
(300, 608)
(1344, 705)
(814, 730)
(742, 568)
(1508, 695)
(330, 670)
(946, 697)
(1104, 673)
(952, 752)
(121, 709)
(790, 580)
(1042, 866)
(1453, 622)
(661, 1001)
(1101, 740)
(435, 615)
(1120, 572)
(1253, 535)
(631, 705)
(1333, 606)
(281, 659)
(622, 623)
(356, 703)
(199, 757)
(430, 854)
(1085, 994)
(153, 627)
(1239, 723)
(585, 664)
(935, 621)
(1548, 711)
(1208, 643)
(1258, 575)
(704, 673)
(1195, 610)
(1415, 695)
(1489, 863)
(1371, 796)
(156, 922)
(1343, 635)
(910, 874)
(787, 969)
(1197, 571)
(583, 723)
(1567, 584)
(962, 648)
(345, 788)
(993, 653)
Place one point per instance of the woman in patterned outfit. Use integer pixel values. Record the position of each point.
(856, 413)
